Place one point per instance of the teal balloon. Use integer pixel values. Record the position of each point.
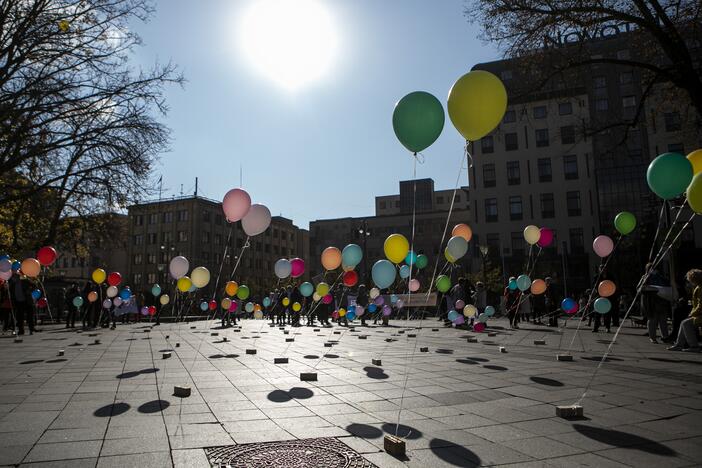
(266, 301)
(411, 258)
(351, 255)
(383, 273)
(249, 307)
(418, 120)
(512, 285)
(669, 175)
(422, 261)
(192, 288)
(203, 306)
(457, 247)
(625, 222)
(602, 305)
(156, 290)
(489, 311)
(523, 282)
(350, 315)
(453, 315)
(77, 301)
(306, 289)
(404, 271)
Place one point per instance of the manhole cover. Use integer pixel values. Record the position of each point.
(325, 452)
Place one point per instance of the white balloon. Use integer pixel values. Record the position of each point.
(457, 247)
(179, 267)
(375, 292)
(282, 268)
(106, 303)
(112, 291)
(256, 220)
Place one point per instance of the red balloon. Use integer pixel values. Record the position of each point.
(212, 304)
(152, 310)
(479, 327)
(41, 303)
(350, 278)
(114, 278)
(47, 255)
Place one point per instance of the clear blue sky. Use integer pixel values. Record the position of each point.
(324, 151)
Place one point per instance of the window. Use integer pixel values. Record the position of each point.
(139, 220)
(601, 104)
(168, 217)
(540, 112)
(570, 166)
(629, 101)
(139, 239)
(151, 278)
(517, 243)
(166, 237)
(510, 116)
(672, 121)
(488, 175)
(182, 236)
(542, 137)
(152, 238)
(487, 144)
(565, 108)
(151, 259)
(493, 241)
(491, 210)
(153, 218)
(599, 82)
(577, 241)
(205, 237)
(626, 77)
(545, 173)
(511, 141)
(138, 259)
(182, 215)
(568, 135)
(136, 277)
(506, 75)
(676, 148)
(548, 209)
(515, 208)
(513, 177)
(573, 203)
(275, 233)
(205, 216)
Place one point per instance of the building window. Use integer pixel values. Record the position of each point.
(540, 112)
(139, 239)
(493, 241)
(548, 209)
(153, 218)
(573, 203)
(515, 208)
(168, 217)
(570, 166)
(510, 116)
(487, 144)
(577, 240)
(152, 238)
(506, 75)
(491, 210)
(568, 135)
(151, 259)
(489, 178)
(599, 82)
(545, 173)
(151, 277)
(205, 216)
(517, 243)
(138, 259)
(629, 101)
(205, 237)
(672, 121)
(626, 77)
(542, 137)
(601, 104)
(182, 215)
(182, 236)
(138, 220)
(565, 108)
(137, 278)
(511, 142)
(166, 237)
(513, 177)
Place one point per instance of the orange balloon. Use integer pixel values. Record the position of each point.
(30, 267)
(462, 230)
(331, 258)
(606, 288)
(92, 296)
(231, 288)
(538, 286)
(257, 307)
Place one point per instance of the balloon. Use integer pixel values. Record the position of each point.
(106, 304)
(606, 288)
(532, 234)
(335, 315)
(322, 288)
(36, 294)
(459, 320)
(476, 104)
(483, 317)
(400, 304)
(184, 284)
(77, 301)
(31, 267)
(372, 308)
(226, 303)
(243, 292)
(203, 306)
(5, 275)
(306, 289)
(165, 299)
(479, 327)
(393, 298)
(155, 290)
(297, 267)
(152, 310)
(350, 315)
(282, 268)
(383, 273)
(669, 175)
(453, 315)
(117, 301)
(523, 282)
(443, 283)
(5, 265)
(350, 278)
(418, 120)
(256, 220)
(193, 288)
(249, 307)
(574, 310)
(327, 299)
(233, 306)
(331, 258)
(374, 292)
(92, 296)
(387, 310)
(404, 272)
(396, 247)
(695, 159)
(512, 285)
(359, 311)
(179, 267)
(545, 237)
(379, 300)
(266, 301)
(602, 305)
(411, 258)
(457, 246)
(144, 310)
(448, 256)
(459, 305)
(694, 193)
(125, 294)
(422, 261)
(316, 297)
(112, 291)
(200, 277)
(414, 285)
(99, 275)
(603, 246)
(567, 304)
(462, 230)
(625, 222)
(258, 315)
(231, 287)
(212, 305)
(16, 265)
(538, 286)
(489, 311)
(114, 278)
(236, 204)
(470, 311)
(296, 307)
(46, 255)
(351, 255)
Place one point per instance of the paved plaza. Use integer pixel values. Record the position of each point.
(111, 403)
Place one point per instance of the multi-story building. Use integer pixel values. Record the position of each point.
(195, 227)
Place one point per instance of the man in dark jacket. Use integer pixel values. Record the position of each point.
(21, 294)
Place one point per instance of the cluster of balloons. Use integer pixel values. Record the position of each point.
(543, 237)
(397, 250)
(255, 218)
(672, 174)
(30, 267)
(457, 245)
(294, 268)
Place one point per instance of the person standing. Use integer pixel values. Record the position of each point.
(71, 310)
(512, 304)
(21, 290)
(654, 307)
(6, 314)
(687, 336)
(362, 301)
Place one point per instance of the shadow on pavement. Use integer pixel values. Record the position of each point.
(624, 439)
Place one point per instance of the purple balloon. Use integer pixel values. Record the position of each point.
(144, 310)
(387, 310)
(459, 321)
(379, 300)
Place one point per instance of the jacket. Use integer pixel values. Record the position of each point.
(696, 312)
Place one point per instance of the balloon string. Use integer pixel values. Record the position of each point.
(224, 257)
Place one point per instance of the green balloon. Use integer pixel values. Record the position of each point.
(243, 292)
(443, 283)
(422, 261)
(669, 175)
(625, 222)
(418, 120)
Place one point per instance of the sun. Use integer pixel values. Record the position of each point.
(292, 42)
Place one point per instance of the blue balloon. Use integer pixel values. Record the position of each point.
(266, 301)
(36, 294)
(4, 257)
(193, 288)
(404, 272)
(512, 284)
(350, 315)
(393, 299)
(16, 265)
(489, 311)
(567, 304)
(372, 307)
(203, 306)
(351, 309)
(602, 305)
(351, 255)
(411, 258)
(156, 290)
(383, 273)
(453, 315)
(125, 294)
(306, 289)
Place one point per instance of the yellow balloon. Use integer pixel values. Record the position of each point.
(322, 289)
(258, 315)
(342, 312)
(296, 307)
(470, 311)
(532, 234)
(184, 284)
(226, 303)
(200, 276)
(396, 247)
(696, 159)
(694, 193)
(165, 299)
(449, 257)
(231, 288)
(476, 104)
(99, 275)
(286, 301)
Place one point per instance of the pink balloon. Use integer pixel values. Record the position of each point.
(479, 327)
(236, 204)
(359, 311)
(545, 237)
(460, 304)
(603, 246)
(335, 314)
(573, 310)
(414, 285)
(233, 306)
(399, 304)
(327, 299)
(297, 267)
